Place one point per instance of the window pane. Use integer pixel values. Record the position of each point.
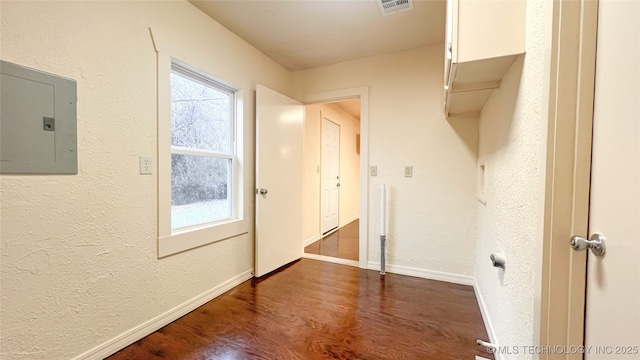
(200, 190)
(200, 115)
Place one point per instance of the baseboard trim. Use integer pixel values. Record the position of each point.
(423, 273)
(331, 259)
(136, 333)
(311, 240)
(485, 318)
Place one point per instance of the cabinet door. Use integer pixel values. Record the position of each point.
(448, 44)
(485, 29)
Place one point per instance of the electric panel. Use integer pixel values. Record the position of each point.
(38, 133)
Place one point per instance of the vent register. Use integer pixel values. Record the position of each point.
(389, 7)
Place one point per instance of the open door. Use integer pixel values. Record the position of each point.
(612, 319)
(593, 189)
(279, 170)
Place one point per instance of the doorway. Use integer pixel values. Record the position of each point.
(330, 176)
(332, 181)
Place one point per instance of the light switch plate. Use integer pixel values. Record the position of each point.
(408, 171)
(373, 170)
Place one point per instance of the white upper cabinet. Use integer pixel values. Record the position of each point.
(483, 38)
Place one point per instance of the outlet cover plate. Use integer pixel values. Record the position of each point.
(146, 165)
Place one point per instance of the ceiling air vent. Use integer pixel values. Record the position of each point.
(388, 7)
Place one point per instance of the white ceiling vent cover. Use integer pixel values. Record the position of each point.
(388, 7)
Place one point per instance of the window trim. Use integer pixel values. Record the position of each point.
(172, 241)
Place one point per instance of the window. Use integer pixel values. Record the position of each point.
(203, 151)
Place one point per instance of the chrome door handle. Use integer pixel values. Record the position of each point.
(596, 243)
(262, 191)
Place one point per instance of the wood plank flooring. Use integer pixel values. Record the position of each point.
(342, 243)
(319, 310)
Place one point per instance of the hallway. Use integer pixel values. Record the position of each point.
(342, 243)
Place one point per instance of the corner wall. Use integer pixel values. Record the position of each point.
(79, 259)
(512, 145)
(431, 215)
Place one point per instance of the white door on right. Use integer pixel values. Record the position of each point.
(612, 318)
(330, 175)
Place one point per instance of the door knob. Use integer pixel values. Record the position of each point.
(263, 191)
(338, 184)
(596, 243)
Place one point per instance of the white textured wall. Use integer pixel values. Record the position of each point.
(78, 253)
(431, 215)
(513, 126)
(349, 205)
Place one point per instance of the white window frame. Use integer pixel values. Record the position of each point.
(172, 241)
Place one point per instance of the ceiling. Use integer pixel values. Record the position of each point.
(351, 107)
(303, 34)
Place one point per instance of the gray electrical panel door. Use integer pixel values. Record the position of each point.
(37, 122)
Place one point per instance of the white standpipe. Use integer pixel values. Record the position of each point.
(383, 228)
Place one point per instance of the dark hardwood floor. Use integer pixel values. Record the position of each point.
(319, 310)
(342, 243)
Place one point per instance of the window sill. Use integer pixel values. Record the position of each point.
(189, 239)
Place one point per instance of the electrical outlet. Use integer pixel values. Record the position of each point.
(408, 171)
(146, 165)
(374, 170)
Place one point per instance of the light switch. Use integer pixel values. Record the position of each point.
(373, 170)
(408, 171)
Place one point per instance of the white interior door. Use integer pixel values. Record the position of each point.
(612, 318)
(330, 175)
(279, 170)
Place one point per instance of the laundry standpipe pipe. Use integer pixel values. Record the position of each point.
(383, 228)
